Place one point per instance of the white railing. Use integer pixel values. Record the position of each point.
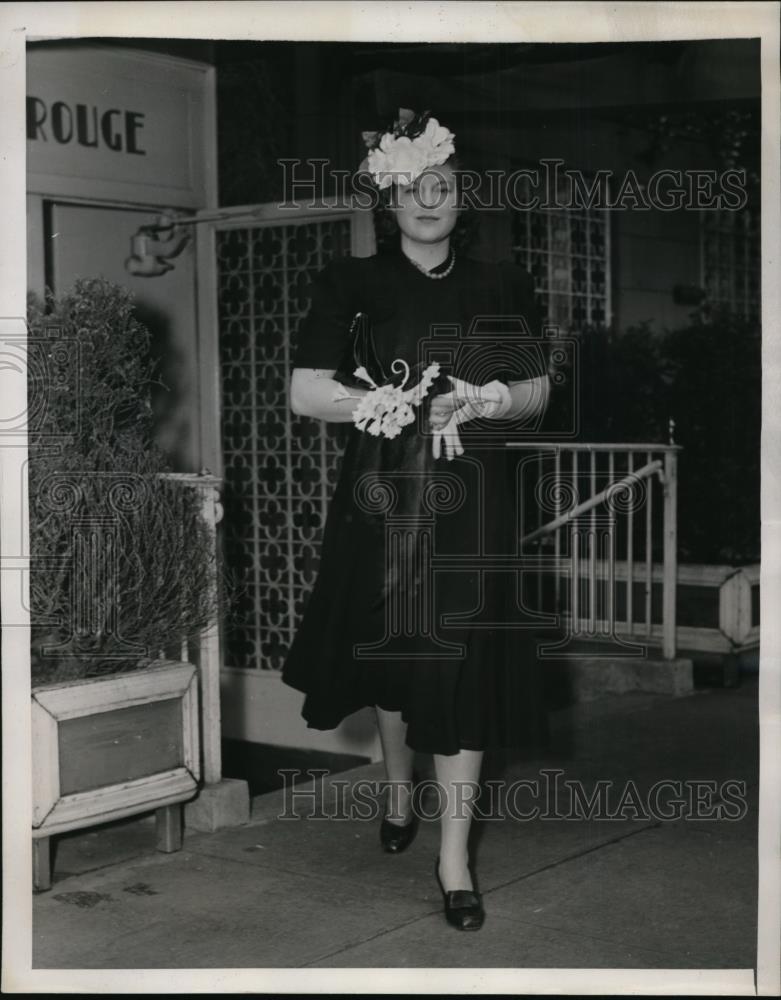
(603, 497)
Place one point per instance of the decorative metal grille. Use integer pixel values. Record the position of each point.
(567, 251)
(280, 469)
(730, 260)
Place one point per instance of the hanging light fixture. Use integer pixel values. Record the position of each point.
(155, 244)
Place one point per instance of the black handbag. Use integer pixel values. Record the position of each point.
(402, 466)
(363, 354)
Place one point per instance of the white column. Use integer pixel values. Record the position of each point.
(207, 646)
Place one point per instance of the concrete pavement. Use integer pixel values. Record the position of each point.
(559, 893)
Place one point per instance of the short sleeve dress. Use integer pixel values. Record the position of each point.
(449, 644)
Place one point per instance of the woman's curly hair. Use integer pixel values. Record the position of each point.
(386, 229)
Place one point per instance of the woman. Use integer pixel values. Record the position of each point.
(451, 689)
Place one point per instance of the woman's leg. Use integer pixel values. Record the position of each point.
(458, 774)
(398, 764)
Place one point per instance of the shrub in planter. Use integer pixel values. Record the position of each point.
(121, 558)
(122, 575)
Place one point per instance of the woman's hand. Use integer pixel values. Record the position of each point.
(465, 402)
(442, 409)
(450, 409)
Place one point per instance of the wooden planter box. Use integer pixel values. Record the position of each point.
(112, 747)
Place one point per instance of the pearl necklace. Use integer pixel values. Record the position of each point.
(441, 274)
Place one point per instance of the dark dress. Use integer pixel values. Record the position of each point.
(375, 630)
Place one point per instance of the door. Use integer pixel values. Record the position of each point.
(278, 469)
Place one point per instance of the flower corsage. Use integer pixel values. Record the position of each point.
(386, 409)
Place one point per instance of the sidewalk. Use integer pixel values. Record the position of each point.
(591, 893)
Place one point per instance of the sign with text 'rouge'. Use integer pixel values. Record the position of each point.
(113, 124)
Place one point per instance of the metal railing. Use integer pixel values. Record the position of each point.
(598, 515)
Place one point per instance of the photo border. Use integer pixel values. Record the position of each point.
(387, 22)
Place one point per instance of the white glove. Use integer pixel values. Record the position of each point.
(491, 400)
(448, 433)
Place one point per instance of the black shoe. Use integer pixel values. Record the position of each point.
(463, 907)
(395, 838)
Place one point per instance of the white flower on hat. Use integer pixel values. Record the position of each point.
(437, 142)
(400, 159)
